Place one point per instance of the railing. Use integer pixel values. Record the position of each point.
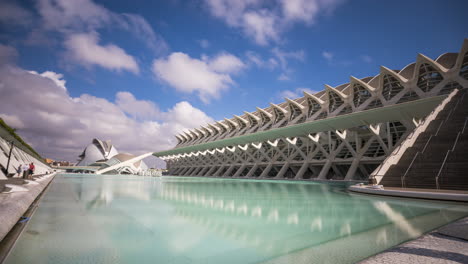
(403, 178)
(445, 159)
(398, 152)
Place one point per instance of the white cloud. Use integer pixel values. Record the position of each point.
(260, 26)
(138, 109)
(84, 16)
(327, 55)
(296, 93)
(53, 76)
(258, 61)
(84, 49)
(12, 13)
(264, 21)
(226, 63)
(59, 126)
(7, 54)
(207, 77)
(284, 56)
(307, 11)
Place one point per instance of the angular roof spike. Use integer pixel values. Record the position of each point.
(179, 138)
(318, 100)
(264, 112)
(279, 108)
(200, 131)
(384, 69)
(295, 103)
(423, 58)
(241, 119)
(363, 84)
(222, 125)
(207, 129)
(229, 121)
(215, 128)
(341, 94)
(252, 116)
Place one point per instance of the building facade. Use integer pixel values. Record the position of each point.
(340, 133)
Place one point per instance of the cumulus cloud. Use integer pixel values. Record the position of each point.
(306, 10)
(13, 14)
(296, 93)
(60, 126)
(207, 77)
(257, 60)
(264, 21)
(84, 49)
(138, 109)
(79, 16)
(57, 78)
(226, 63)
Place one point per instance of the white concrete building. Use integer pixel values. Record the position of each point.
(97, 150)
(19, 156)
(342, 132)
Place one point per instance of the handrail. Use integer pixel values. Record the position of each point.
(425, 146)
(445, 159)
(409, 167)
(394, 157)
(441, 167)
(456, 141)
(466, 120)
(440, 125)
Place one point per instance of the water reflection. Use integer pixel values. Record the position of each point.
(231, 221)
(275, 217)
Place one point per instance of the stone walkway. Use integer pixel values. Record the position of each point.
(13, 203)
(448, 244)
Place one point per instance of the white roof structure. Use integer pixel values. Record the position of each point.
(341, 132)
(97, 150)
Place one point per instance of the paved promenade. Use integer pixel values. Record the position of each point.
(15, 199)
(448, 244)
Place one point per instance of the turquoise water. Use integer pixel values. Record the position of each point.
(132, 219)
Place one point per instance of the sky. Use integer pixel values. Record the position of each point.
(138, 73)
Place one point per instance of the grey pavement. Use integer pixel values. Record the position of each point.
(14, 204)
(447, 244)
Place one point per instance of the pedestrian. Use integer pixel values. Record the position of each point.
(19, 170)
(25, 171)
(31, 170)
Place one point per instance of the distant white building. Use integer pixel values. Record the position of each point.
(97, 151)
(103, 154)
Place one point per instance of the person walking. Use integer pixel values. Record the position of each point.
(25, 171)
(31, 170)
(19, 170)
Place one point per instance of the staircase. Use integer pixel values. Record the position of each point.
(438, 158)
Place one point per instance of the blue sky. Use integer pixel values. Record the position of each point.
(151, 62)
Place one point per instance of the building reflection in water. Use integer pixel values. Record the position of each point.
(275, 217)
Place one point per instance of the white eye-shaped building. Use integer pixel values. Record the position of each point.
(103, 154)
(347, 132)
(97, 150)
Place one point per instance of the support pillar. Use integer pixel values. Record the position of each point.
(323, 173)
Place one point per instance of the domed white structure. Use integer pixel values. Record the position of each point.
(103, 155)
(96, 151)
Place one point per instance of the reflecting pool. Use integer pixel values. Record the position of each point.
(133, 219)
